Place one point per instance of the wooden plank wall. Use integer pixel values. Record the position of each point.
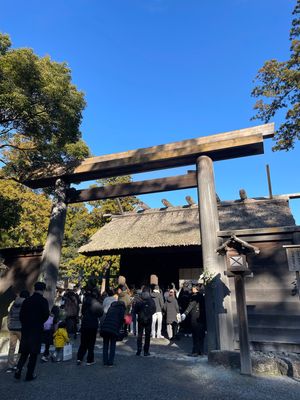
(23, 271)
(273, 308)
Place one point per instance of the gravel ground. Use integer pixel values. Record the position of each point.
(168, 373)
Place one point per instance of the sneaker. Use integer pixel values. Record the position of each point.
(160, 337)
(91, 363)
(78, 362)
(193, 355)
(138, 353)
(10, 369)
(44, 359)
(147, 354)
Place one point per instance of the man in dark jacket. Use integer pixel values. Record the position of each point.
(91, 312)
(196, 309)
(34, 312)
(110, 329)
(144, 309)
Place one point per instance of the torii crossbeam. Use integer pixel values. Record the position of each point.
(222, 146)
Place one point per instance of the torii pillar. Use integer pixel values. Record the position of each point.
(220, 333)
(52, 250)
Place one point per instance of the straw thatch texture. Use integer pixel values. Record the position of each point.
(179, 226)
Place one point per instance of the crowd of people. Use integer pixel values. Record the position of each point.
(116, 312)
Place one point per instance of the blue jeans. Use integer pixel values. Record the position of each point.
(109, 346)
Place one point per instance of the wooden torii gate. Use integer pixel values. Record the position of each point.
(200, 152)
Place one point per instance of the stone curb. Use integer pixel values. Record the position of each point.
(262, 363)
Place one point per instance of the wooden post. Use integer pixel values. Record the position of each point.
(52, 251)
(246, 366)
(298, 283)
(220, 333)
(296, 240)
(269, 181)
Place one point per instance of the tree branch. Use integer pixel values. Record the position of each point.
(17, 147)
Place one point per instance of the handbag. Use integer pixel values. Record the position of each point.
(67, 352)
(128, 319)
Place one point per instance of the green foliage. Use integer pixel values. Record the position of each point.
(40, 113)
(10, 210)
(5, 43)
(24, 216)
(279, 89)
(207, 277)
(81, 224)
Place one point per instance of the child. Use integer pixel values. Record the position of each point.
(47, 337)
(60, 339)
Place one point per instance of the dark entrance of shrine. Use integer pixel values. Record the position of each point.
(171, 265)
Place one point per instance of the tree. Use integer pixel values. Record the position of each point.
(279, 89)
(40, 113)
(25, 221)
(10, 210)
(81, 224)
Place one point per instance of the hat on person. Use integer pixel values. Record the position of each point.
(196, 285)
(39, 286)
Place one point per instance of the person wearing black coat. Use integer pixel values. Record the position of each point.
(183, 302)
(196, 309)
(145, 310)
(171, 309)
(110, 330)
(34, 312)
(91, 311)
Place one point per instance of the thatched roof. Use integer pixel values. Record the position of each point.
(179, 226)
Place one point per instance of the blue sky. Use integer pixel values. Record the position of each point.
(158, 71)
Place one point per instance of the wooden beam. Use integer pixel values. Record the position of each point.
(133, 188)
(259, 231)
(233, 144)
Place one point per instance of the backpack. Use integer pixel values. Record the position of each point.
(145, 314)
(13, 319)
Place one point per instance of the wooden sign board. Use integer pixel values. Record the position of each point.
(293, 256)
